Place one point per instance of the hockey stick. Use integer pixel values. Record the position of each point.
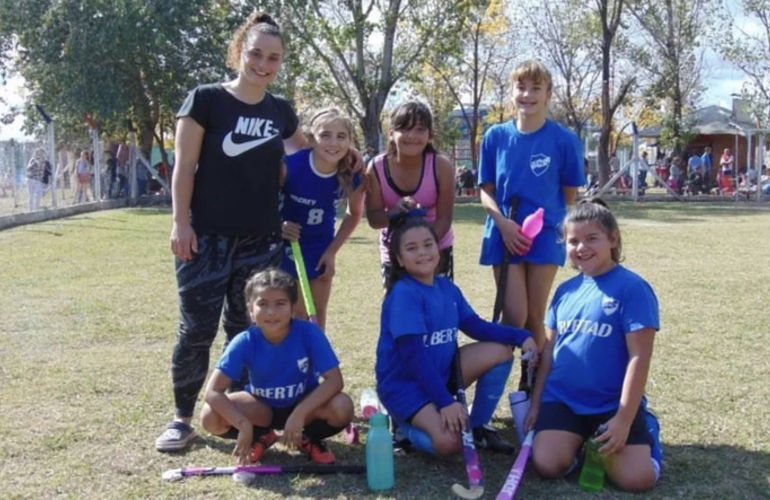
(304, 284)
(179, 474)
(350, 432)
(472, 466)
(502, 281)
(513, 481)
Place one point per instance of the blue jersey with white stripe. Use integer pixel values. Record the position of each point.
(310, 197)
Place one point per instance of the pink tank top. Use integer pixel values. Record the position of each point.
(426, 195)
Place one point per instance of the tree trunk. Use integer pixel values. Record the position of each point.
(604, 137)
(370, 124)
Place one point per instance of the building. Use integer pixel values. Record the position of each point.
(719, 128)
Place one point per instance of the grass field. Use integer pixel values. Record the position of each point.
(89, 317)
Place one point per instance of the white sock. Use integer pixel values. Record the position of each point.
(656, 468)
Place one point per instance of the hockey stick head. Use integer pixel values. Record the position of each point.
(173, 475)
(244, 477)
(474, 492)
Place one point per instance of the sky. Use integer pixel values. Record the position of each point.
(721, 80)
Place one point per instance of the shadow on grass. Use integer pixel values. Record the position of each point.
(303, 485)
(714, 471)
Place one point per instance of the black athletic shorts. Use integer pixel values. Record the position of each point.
(559, 417)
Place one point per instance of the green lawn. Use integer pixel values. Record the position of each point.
(88, 318)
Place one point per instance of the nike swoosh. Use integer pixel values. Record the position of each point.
(232, 149)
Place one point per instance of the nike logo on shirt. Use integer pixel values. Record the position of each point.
(232, 149)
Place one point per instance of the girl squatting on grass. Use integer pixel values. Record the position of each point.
(316, 180)
(420, 319)
(531, 162)
(411, 174)
(600, 331)
(283, 357)
(230, 139)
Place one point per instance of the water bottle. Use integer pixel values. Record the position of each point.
(533, 224)
(370, 403)
(379, 454)
(592, 473)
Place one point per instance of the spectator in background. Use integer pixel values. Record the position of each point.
(35, 178)
(83, 172)
(459, 181)
(727, 163)
(752, 176)
(47, 173)
(694, 164)
(141, 178)
(468, 182)
(112, 173)
(675, 174)
(614, 164)
(706, 168)
(644, 165)
(369, 154)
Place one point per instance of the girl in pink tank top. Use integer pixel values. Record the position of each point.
(411, 174)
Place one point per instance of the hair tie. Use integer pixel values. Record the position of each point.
(400, 218)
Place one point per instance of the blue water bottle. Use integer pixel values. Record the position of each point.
(379, 454)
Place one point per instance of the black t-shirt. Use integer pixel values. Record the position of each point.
(237, 179)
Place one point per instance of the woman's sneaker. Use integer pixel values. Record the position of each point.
(317, 451)
(176, 437)
(260, 446)
(487, 438)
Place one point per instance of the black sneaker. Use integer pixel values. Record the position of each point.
(486, 438)
(401, 443)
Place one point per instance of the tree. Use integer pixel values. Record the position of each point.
(117, 59)
(671, 55)
(609, 14)
(367, 46)
(485, 44)
(563, 31)
(500, 107)
(434, 90)
(749, 50)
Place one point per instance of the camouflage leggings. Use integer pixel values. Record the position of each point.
(213, 281)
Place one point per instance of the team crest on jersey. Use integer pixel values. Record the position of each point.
(539, 164)
(609, 305)
(303, 364)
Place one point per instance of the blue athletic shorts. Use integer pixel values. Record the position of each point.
(311, 253)
(548, 248)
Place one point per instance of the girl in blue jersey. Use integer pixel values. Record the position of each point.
(421, 316)
(284, 358)
(600, 331)
(525, 164)
(316, 180)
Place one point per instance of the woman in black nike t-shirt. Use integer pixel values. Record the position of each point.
(230, 139)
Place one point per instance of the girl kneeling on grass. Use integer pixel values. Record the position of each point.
(420, 318)
(600, 330)
(283, 357)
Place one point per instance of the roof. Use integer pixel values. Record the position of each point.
(711, 120)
